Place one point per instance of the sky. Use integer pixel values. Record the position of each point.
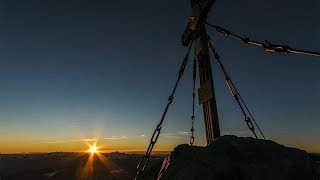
(77, 72)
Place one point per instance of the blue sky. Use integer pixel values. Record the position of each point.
(71, 69)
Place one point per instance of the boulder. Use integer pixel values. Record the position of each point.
(238, 158)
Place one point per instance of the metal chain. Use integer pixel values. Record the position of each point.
(145, 158)
(236, 95)
(255, 122)
(194, 76)
(266, 45)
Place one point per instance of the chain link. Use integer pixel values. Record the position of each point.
(251, 127)
(249, 123)
(194, 76)
(235, 93)
(269, 47)
(145, 158)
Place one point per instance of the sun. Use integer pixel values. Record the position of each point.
(93, 149)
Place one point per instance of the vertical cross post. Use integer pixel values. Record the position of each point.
(196, 31)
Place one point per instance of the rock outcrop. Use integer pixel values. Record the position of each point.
(237, 158)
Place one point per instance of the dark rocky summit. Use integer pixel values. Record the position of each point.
(237, 158)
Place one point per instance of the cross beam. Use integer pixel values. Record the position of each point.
(196, 30)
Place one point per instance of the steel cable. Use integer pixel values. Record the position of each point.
(236, 95)
(266, 45)
(145, 158)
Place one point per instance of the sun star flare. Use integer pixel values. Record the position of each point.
(93, 149)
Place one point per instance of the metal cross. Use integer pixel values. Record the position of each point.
(196, 30)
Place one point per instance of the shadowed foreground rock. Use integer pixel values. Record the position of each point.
(235, 158)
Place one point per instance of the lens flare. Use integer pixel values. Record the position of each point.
(93, 149)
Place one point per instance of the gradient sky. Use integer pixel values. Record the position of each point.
(74, 71)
